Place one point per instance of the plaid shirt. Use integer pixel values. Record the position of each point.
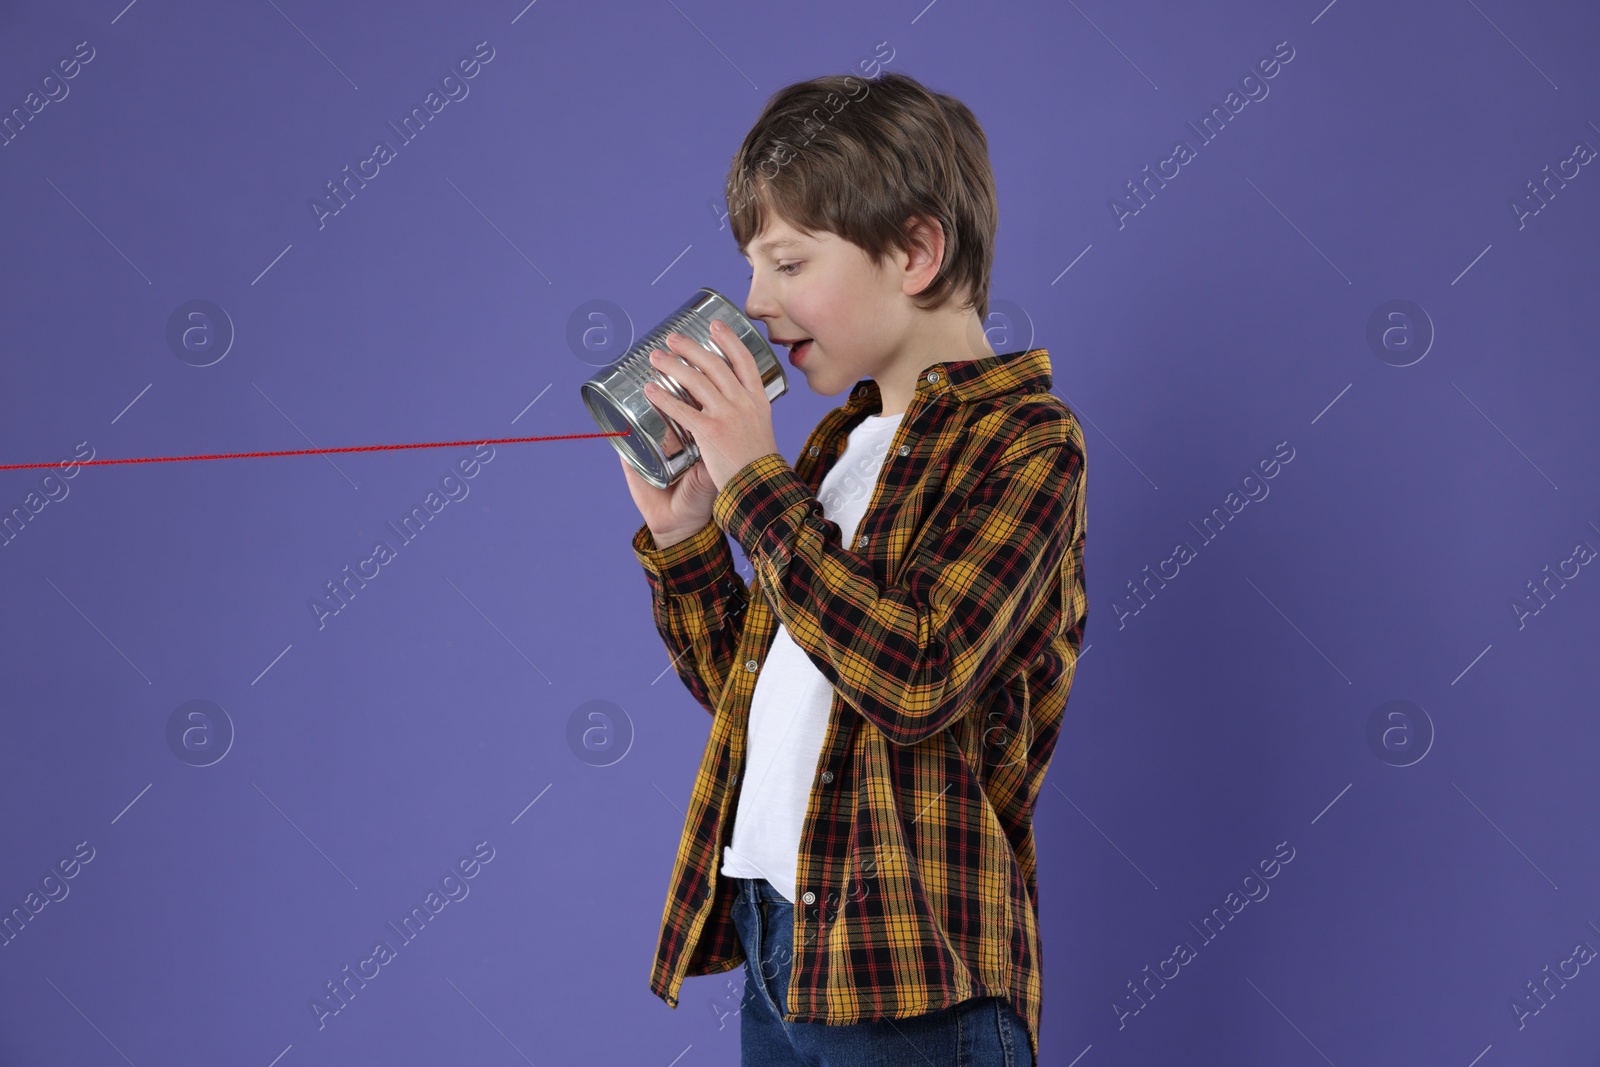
(949, 631)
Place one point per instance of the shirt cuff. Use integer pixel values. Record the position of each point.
(689, 566)
(762, 492)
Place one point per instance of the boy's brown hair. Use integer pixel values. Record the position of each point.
(859, 157)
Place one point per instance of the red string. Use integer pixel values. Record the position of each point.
(309, 451)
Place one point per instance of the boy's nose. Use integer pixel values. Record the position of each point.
(758, 308)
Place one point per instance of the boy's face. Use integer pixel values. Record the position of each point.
(824, 289)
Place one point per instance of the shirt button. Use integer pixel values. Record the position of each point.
(905, 450)
(813, 450)
(933, 377)
(810, 898)
(862, 543)
(750, 665)
(827, 776)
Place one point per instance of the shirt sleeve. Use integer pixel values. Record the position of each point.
(911, 656)
(697, 600)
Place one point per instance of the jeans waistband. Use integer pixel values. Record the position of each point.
(761, 889)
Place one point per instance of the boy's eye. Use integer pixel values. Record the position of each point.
(786, 266)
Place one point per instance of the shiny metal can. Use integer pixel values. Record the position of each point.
(656, 445)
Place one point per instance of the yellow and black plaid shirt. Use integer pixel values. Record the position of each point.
(950, 631)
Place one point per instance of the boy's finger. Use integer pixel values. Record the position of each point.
(675, 355)
(711, 366)
(723, 370)
(740, 357)
(671, 405)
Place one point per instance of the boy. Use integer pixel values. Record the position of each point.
(896, 672)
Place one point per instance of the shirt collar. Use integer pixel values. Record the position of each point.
(967, 380)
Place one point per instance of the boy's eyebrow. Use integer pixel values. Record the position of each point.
(776, 242)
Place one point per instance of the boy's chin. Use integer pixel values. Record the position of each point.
(822, 385)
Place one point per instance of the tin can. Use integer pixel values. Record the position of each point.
(656, 445)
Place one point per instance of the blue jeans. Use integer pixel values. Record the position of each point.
(983, 1032)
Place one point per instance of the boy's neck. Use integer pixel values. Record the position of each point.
(942, 336)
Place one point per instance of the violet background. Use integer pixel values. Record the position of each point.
(445, 704)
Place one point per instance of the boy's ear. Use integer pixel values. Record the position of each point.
(925, 254)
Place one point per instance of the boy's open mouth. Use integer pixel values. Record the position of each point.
(799, 349)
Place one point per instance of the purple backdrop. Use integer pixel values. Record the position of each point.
(1335, 362)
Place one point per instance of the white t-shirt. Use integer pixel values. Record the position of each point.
(789, 710)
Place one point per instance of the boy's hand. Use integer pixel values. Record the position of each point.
(733, 424)
(677, 512)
